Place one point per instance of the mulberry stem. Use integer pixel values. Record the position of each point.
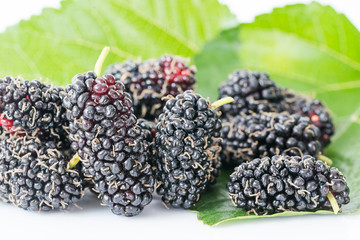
(101, 60)
(221, 102)
(333, 202)
(325, 159)
(74, 161)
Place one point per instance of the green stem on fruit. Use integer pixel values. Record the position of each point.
(325, 159)
(333, 202)
(221, 102)
(101, 60)
(74, 161)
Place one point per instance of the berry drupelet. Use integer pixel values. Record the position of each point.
(283, 183)
(253, 92)
(33, 108)
(150, 126)
(149, 81)
(187, 149)
(109, 143)
(36, 175)
(313, 108)
(268, 134)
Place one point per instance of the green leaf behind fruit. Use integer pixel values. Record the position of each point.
(60, 43)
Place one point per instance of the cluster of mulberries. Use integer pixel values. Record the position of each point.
(140, 127)
(36, 175)
(251, 136)
(185, 146)
(113, 149)
(33, 108)
(273, 136)
(284, 183)
(187, 149)
(255, 94)
(34, 149)
(149, 81)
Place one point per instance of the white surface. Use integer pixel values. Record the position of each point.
(156, 222)
(95, 222)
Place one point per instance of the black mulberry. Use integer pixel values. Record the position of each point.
(110, 144)
(283, 183)
(149, 128)
(268, 134)
(253, 92)
(149, 81)
(33, 108)
(187, 149)
(313, 108)
(36, 175)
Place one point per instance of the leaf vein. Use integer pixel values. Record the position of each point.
(166, 31)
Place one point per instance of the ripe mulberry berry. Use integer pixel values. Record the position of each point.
(33, 108)
(149, 81)
(283, 183)
(187, 149)
(36, 175)
(313, 108)
(110, 144)
(253, 136)
(150, 126)
(253, 92)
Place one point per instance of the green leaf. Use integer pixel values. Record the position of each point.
(215, 206)
(60, 43)
(310, 48)
(218, 58)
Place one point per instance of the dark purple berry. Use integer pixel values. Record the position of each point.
(33, 108)
(187, 149)
(318, 114)
(113, 149)
(35, 175)
(285, 183)
(253, 92)
(268, 134)
(149, 81)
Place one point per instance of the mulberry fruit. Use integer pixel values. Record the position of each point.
(283, 183)
(33, 108)
(317, 112)
(149, 128)
(268, 134)
(36, 175)
(149, 81)
(110, 144)
(253, 92)
(187, 149)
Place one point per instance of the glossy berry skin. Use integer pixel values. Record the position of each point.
(253, 92)
(35, 175)
(187, 149)
(34, 108)
(317, 112)
(150, 126)
(254, 136)
(149, 81)
(112, 147)
(283, 183)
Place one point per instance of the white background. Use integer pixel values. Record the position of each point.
(95, 222)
